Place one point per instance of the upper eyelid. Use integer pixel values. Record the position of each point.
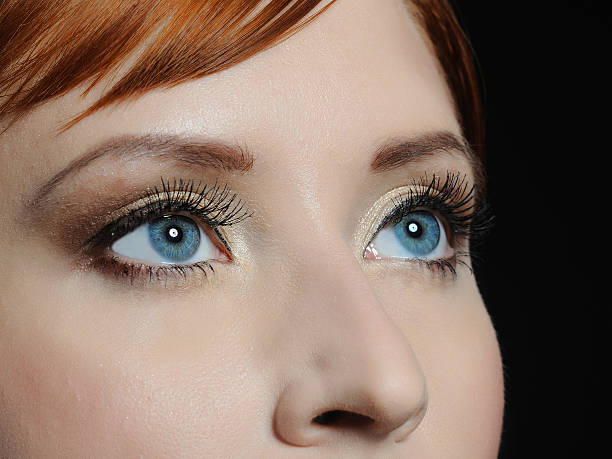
(148, 203)
(454, 192)
(212, 204)
(408, 205)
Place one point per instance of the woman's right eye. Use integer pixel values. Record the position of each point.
(168, 240)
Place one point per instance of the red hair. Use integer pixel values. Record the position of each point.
(48, 47)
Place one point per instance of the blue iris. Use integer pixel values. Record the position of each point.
(174, 237)
(418, 232)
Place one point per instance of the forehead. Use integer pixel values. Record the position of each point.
(359, 73)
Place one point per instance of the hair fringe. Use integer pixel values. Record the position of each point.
(86, 41)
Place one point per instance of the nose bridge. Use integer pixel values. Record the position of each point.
(358, 364)
(339, 293)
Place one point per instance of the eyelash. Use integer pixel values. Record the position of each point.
(464, 218)
(215, 205)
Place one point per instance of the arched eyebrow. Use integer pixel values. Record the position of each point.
(400, 152)
(231, 158)
(206, 154)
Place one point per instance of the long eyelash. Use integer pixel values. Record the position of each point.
(214, 205)
(223, 208)
(454, 200)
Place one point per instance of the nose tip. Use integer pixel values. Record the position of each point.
(311, 412)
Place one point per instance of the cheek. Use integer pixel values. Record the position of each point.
(81, 383)
(464, 372)
(53, 401)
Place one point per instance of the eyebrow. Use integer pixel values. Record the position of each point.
(206, 154)
(222, 156)
(399, 152)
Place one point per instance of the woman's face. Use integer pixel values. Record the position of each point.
(311, 308)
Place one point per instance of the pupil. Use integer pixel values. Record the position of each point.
(414, 229)
(174, 234)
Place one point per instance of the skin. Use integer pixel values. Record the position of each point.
(299, 322)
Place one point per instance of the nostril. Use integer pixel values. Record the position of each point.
(342, 419)
(329, 417)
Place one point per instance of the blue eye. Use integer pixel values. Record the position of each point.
(171, 239)
(174, 237)
(418, 234)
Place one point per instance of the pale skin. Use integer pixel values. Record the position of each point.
(298, 322)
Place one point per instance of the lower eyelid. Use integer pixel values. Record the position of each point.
(144, 274)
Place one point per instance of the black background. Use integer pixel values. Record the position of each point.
(547, 104)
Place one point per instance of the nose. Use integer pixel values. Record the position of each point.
(357, 371)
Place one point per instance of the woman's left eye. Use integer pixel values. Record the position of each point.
(417, 235)
(170, 239)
